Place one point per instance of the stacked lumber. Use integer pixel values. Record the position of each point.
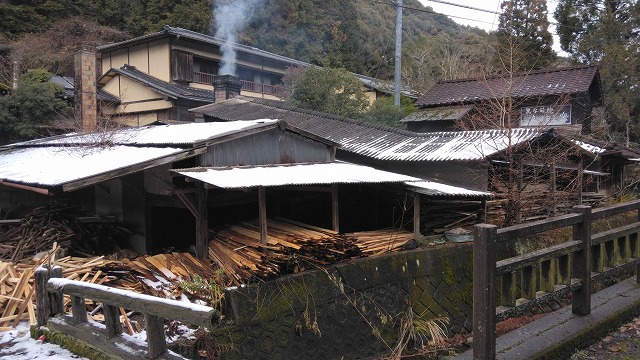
(441, 216)
(378, 242)
(291, 247)
(158, 275)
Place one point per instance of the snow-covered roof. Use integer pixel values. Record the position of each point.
(438, 189)
(73, 161)
(154, 135)
(64, 166)
(293, 174)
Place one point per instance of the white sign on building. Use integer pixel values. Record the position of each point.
(545, 115)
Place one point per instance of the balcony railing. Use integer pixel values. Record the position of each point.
(206, 78)
(257, 87)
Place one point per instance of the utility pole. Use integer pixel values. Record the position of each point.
(398, 62)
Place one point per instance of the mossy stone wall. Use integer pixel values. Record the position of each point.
(348, 311)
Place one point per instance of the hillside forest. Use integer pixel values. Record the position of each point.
(357, 35)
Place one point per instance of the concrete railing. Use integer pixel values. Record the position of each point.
(607, 253)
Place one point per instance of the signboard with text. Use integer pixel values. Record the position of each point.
(545, 115)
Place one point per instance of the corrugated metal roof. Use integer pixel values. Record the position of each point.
(367, 81)
(154, 135)
(531, 84)
(442, 190)
(372, 140)
(591, 148)
(56, 166)
(439, 113)
(69, 160)
(174, 91)
(293, 174)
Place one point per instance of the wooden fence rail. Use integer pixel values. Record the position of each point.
(50, 288)
(547, 273)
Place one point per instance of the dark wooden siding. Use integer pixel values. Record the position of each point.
(269, 147)
(181, 66)
(467, 174)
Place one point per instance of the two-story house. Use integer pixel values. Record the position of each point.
(559, 98)
(160, 76)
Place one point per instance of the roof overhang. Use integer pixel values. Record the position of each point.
(47, 170)
(434, 189)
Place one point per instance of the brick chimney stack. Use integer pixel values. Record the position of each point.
(226, 87)
(86, 102)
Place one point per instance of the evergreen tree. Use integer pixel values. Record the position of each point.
(25, 113)
(605, 32)
(334, 91)
(523, 39)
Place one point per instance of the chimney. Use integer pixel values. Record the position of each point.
(84, 88)
(225, 87)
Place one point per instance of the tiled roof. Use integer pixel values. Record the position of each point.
(439, 113)
(538, 83)
(371, 140)
(367, 81)
(67, 83)
(174, 91)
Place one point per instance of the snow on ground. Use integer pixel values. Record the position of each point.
(17, 344)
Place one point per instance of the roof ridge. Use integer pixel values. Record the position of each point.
(518, 74)
(286, 106)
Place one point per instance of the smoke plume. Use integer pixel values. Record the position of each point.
(229, 20)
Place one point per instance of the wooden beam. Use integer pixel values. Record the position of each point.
(416, 215)
(25, 187)
(335, 211)
(77, 184)
(188, 204)
(202, 221)
(262, 211)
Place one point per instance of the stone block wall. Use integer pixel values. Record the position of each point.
(352, 311)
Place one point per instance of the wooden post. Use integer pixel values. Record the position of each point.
(202, 221)
(112, 320)
(335, 213)
(43, 307)
(156, 342)
(416, 215)
(78, 310)
(581, 264)
(635, 255)
(552, 190)
(484, 292)
(262, 214)
(56, 298)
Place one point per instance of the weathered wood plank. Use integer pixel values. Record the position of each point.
(171, 309)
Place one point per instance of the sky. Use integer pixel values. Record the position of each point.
(485, 20)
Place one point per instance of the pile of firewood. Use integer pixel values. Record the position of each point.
(44, 226)
(36, 233)
(17, 298)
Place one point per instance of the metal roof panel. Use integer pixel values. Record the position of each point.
(293, 174)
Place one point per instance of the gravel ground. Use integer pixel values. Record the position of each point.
(623, 344)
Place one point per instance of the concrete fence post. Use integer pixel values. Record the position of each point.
(484, 291)
(581, 264)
